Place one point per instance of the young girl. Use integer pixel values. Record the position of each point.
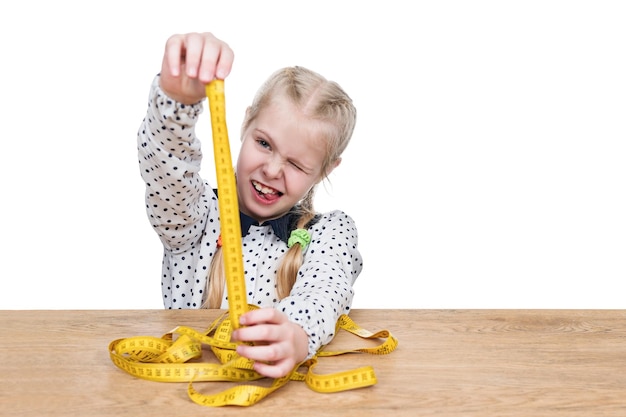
(299, 265)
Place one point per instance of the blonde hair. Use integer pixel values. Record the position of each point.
(319, 99)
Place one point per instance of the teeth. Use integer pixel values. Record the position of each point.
(262, 189)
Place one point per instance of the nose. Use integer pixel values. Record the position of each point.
(273, 167)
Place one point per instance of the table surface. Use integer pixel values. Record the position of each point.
(448, 363)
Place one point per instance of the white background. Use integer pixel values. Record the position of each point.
(487, 170)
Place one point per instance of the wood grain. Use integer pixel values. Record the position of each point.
(448, 363)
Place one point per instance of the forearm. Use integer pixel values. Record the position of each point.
(324, 288)
(170, 159)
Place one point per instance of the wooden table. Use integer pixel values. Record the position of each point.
(448, 363)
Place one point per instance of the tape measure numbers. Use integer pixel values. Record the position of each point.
(229, 206)
(169, 359)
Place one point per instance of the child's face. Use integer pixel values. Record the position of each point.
(279, 161)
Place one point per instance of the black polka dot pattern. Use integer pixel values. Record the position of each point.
(183, 210)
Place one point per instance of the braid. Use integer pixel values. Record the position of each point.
(216, 279)
(286, 273)
(292, 261)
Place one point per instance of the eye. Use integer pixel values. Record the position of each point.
(263, 143)
(298, 167)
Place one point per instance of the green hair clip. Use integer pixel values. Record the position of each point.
(300, 236)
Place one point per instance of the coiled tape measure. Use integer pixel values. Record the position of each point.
(170, 359)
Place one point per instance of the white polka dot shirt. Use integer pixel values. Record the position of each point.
(183, 210)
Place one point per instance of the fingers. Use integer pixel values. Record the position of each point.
(200, 56)
(276, 369)
(278, 345)
(265, 325)
(274, 360)
(174, 51)
(262, 315)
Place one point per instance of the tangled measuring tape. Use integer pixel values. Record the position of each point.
(179, 359)
(167, 359)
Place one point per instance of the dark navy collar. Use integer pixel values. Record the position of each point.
(281, 226)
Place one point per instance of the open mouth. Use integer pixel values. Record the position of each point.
(266, 191)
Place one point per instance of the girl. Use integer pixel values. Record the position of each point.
(299, 266)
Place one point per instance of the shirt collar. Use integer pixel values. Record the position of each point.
(281, 226)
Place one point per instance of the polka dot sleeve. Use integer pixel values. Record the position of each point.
(324, 287)
(170, 160)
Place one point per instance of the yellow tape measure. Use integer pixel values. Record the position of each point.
(229, 206)
(169, 359)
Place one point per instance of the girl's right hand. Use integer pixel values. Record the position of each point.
(191, 61)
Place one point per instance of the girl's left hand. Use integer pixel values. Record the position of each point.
(279, 344)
